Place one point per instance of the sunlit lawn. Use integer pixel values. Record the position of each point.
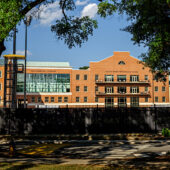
(18, 166)
(41, 149)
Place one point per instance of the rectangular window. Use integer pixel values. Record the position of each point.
(77, 77)
(46, 99)
(121, 78)
(85, 88)
(77, 99)
(163, 88)
(59, 99)
(52, 99)
(0, 99)
(146, 89)
(33, 99)
(156, 88)
(122, 102)
(156, 99)
(0, 74)
(146, 77)
(85, 99)
(163, 99)
(85, 77)
(65, 99)
(0, 86)
(109, 78)
(96, 99)
(109, 101)
(39, 99)
(134, 78)
(77, 88)
(134, 89)
(121, 89)
(146, 99)
(96, 89)
(134, 101)
(96, 77)
(109, 90)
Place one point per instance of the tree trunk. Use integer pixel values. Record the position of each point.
(2, 47)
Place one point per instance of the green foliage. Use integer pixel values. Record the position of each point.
(166, 132)
(150, 25)
(9, 16)
(74, 31)
(84, 68)
(106, 8)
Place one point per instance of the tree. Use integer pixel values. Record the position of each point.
(72, 29)
(84, 68)
(150, 25)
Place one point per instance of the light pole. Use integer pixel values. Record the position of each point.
(27, 22)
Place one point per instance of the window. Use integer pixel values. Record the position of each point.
(134, 89)
(85, 77)
(109, 78)
(122, 101)
(146, 77)
(0, 86)
(146, 99)
(85, 99)
(156, 99)
(96, 77)
(46, 99)
(77, 99)
(36, 83)
(96, 89)
(121, 89)
(33, 99)
(65, 99)
(163, 88)
(146, 89)
(85, 88)
(134, 78)
(0, 74)
(96, 99)
(121, 78)
(77, 77)
(109, 90)
(156, 88)
(109, 102)
(134, 101)
(121, 63)
(77, 88)
(0, 99)
(163, 99)
(39, 99)
(59, 99)
(52, 99)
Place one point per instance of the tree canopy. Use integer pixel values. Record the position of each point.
(150, 24)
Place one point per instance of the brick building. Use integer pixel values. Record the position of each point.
(119, 80)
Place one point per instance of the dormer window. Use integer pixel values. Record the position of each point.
(121, 63)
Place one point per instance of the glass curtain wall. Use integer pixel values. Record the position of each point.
(44, 83)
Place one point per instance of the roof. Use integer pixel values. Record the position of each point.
(42, 64)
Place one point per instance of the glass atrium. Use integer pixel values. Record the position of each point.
(36, 83)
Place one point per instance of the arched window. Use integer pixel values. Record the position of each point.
(121, 63)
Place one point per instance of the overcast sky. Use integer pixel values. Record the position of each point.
(44, 46)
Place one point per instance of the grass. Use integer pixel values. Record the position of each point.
(41, 149)
(29, 166)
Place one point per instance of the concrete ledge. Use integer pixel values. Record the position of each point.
(128, 136)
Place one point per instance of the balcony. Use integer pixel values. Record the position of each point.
(100, 82)
(123, 94)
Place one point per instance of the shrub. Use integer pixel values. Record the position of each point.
(166, 132)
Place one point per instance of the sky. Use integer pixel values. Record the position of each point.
(44, 46)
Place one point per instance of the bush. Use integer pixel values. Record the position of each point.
(166, 132)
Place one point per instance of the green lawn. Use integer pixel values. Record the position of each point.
(29, 166)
